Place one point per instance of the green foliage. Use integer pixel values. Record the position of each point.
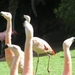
(66, 11)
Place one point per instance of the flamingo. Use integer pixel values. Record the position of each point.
(67, 56)
(9, 55)
(40, 46)
(15, 63)
(3, 35)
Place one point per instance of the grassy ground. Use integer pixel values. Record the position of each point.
(56, 64)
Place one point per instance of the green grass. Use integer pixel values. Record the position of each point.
(56, 65)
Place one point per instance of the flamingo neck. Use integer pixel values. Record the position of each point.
(9, 25)
(67, 62)
(8, 53)
(14, 66)
(8, 32)
(28, 61)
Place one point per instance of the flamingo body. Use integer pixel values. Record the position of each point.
(3, 35)
(40, 46)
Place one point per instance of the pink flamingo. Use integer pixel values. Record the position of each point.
(3, 34)
(15, 63)
(9, 55)
(67, 56)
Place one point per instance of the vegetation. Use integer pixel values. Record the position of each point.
(67, 13)
(56, 64)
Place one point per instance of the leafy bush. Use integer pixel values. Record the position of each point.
(66, 11)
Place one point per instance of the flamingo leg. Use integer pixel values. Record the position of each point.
(37, 65)
(48, 64)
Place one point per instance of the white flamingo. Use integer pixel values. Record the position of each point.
(40, 46)
(67, 56)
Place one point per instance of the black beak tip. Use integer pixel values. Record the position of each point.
(5, 46)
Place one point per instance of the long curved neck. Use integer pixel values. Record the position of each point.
(14, 66)
(8, 53)
(67, 62)
(8, 32)
(28, 58)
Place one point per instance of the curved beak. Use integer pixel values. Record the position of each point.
(53, 52)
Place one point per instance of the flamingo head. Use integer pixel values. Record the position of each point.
(50, 50)
(6, 15)
(68, 42)
(27, 18)
(28, 29)
(15, 49)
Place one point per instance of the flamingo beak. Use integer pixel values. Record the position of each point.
(5, 46)
(53, 52)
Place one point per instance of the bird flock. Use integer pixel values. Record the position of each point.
(20, 61)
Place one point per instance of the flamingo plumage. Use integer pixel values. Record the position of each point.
(67, 56)
(40, 46)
